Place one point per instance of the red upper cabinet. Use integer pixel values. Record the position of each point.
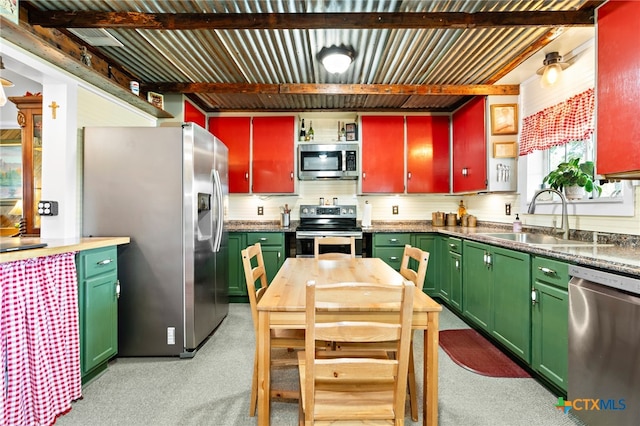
(235, 133)
(618, 89)
(382, 154)
(470, 147)
(273, 154)
(427, 154)
(194, 115)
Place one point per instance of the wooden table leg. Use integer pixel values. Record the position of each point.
(430, 381)
(264, 370)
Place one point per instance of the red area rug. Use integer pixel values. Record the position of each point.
(469, 349)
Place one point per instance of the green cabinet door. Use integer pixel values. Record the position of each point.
(496, 289)
(428, 243)
(451, 271)
(476, 290)
(550, 320)
(98, 291)
(237, 284)
(273, 252)
(455, 280)
(511, 322)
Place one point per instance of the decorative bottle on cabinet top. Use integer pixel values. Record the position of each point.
(303, 133)
(310, 133)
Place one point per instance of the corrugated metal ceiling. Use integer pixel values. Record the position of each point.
(383, 56)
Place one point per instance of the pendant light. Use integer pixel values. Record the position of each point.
(551, 70)
(3, 83)
(336, 59)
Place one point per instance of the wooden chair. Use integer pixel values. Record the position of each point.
(334, 241)
(359, 388)
(417, 277)
(281, 338)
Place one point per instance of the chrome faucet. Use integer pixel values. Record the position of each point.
(565, 218)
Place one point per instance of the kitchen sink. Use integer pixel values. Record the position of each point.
(537, 239)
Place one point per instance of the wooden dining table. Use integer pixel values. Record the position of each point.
(283, 306)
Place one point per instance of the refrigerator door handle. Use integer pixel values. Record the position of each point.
(220, 222)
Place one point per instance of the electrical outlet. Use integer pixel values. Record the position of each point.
(260, 210)
(171, 335)
(394, 209)
(507, 209)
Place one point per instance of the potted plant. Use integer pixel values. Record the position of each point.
(573, 178)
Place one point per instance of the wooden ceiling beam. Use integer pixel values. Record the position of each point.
(308, 21)
(340, 89)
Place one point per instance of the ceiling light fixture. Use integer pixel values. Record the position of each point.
(336, 59)
(3, 83)
(551, 70)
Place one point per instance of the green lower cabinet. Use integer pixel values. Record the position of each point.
(477, 278)
(496, 294)
(451, 279)
(550, 322)
(273, 251)
(390, 247)
(98, 291)
(237, 284)
(511, 323)
(430, 244)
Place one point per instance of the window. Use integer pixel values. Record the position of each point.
(585, 151)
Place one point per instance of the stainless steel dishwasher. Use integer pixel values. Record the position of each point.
(604, 347)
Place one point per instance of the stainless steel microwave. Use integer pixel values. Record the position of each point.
(328, 161)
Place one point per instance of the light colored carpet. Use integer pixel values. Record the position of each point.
(214, 387)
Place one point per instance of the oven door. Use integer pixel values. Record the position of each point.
(305, 246)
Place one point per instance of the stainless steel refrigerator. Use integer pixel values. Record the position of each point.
(165, 188)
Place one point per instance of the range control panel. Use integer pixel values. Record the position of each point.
(318, 212)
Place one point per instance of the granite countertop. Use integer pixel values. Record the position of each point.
(59, 245)
(618, 255)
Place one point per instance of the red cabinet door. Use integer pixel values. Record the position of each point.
(618, 89)
(273, 149)
(235, 132)
(194, 115)
(382, 154)
(427, 154)
(470, 147)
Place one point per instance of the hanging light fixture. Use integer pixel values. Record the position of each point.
(3, 83)
(551, 70)
(336, 59)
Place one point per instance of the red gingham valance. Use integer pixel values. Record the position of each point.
(571, 120)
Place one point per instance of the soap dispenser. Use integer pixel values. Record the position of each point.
(517, 225)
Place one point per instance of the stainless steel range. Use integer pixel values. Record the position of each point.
(325, 221)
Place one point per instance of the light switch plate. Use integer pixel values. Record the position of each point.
(260, 210)
(394, 209)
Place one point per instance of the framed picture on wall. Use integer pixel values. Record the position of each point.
(156, 99)
(505, 150)
(352, 131)
(504, 119)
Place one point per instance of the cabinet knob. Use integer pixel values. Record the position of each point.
(246, 175)
(408, 175)
(117, 289)
(104, 262)
(534, 296)
(393, 258)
